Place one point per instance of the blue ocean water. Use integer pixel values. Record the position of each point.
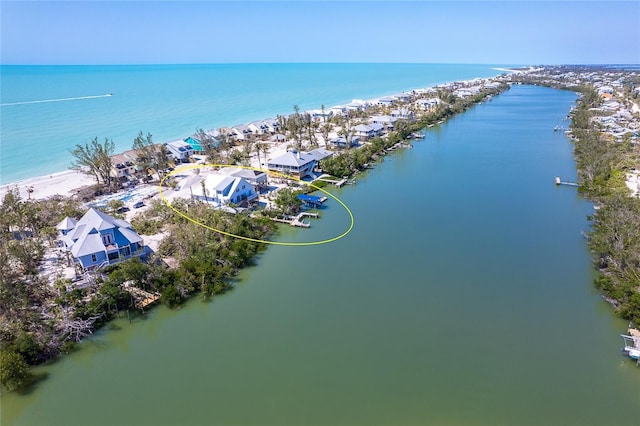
(172, 101)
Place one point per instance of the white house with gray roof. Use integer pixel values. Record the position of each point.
(271, 125)
(241, 132)
(98, 239)
(387, 101)
(258, 127)
(220, 190)
(180, 150)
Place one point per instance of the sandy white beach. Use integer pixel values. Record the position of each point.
(67, 182)
(61, 183)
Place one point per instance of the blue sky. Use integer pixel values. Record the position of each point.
(499, 32)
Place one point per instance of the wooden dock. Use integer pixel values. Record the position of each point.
(297, 220)
(337, 183)
(142, 298)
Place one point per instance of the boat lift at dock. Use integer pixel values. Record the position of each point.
(312, 201)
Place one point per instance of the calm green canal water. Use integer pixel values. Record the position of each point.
(463, 296)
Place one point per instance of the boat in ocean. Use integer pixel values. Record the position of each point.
(632, 343)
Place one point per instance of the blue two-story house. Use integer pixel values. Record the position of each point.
(97, 239)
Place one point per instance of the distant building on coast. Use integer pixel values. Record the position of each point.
(200, 147)
(122, 167)
(180, 150)
(387, 121)
(428, 104)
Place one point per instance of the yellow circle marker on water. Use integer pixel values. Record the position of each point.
(255, 240)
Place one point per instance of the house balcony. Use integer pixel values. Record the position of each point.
(118, 254)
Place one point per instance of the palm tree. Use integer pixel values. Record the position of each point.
(204, 191)
(347, 131)
(310, 125)
(324, 130)
(256, 147)
(296, 126)
(261, 147)
(282, 124)
(265, 151)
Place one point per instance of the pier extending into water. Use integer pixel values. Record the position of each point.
(559, 181)
(296, 220)
(337, 183)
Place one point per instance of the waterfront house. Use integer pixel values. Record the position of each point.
(404, 97)
(297, 164)
(368, 131)
(257, 178)
(98, 239)
(387, 121)
(341, 142)
(258, 127)
(180, 150)
(271, 125)
(491, 85)
(403, 113)
(387, 101)
(428, 104)
(320, 153)
(225, 133)
(357, 105)
(122, 167)
(136, 157)
(241, 132)
(200, 147)
(221, 189)
(338, 110)
(133, 156)
(467, 92)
